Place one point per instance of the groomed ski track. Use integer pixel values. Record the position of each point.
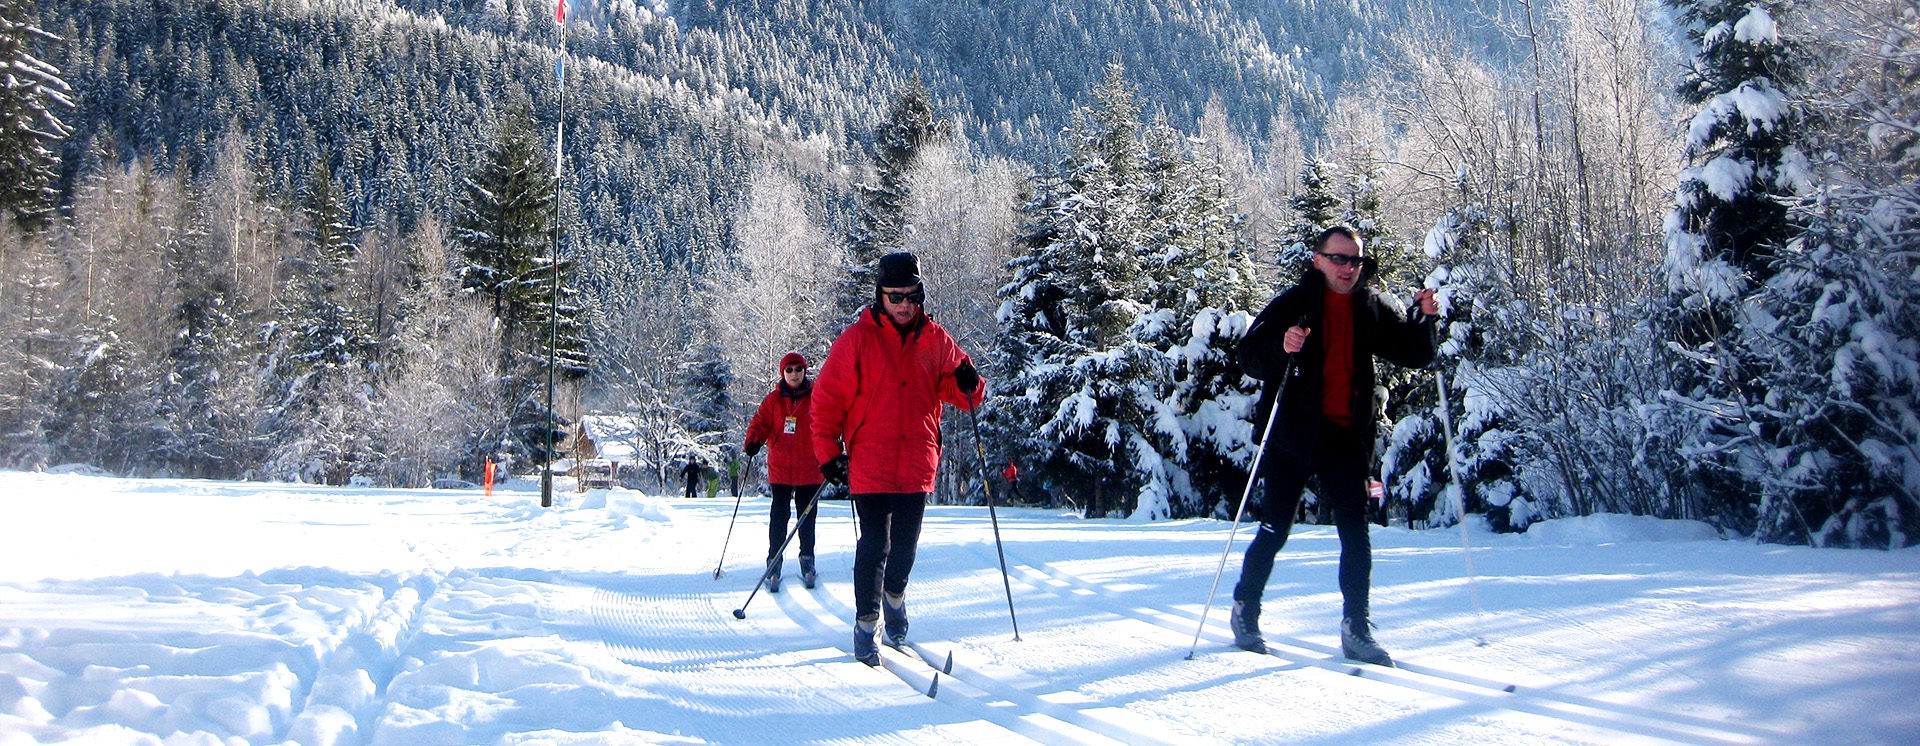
(1002, 700)
(1468, 689)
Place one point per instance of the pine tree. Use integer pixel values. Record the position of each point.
(1477, 356)
(1205, 286)
(897, 142)
(503, 227)
(1836, 329)
(1089, 400)
(1315, 207)
(1727, 228)
(320, 344)
(31, 95)
(707, 381)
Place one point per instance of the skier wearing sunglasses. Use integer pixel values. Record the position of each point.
(876, 428)
(1314, 347)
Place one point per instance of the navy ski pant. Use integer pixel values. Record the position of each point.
(889, 539)
(1343, 479)
(788, 498)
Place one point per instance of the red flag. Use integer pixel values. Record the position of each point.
(560, 13)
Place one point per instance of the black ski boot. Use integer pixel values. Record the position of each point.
(807, 575)
(895, 606)
(1356, 643)
(773, 575)
(865, 649)
(1245, 624)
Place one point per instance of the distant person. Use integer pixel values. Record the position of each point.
(733, 475)
(691, 472)
(1323, 334)
(784, 424)
(876, 428)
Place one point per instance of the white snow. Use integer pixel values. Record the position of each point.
(184, 612)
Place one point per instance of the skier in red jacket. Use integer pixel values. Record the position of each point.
(876, 428)
(784, 424)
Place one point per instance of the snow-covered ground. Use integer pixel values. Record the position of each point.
(180, 612)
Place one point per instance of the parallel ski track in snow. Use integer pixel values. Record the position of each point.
(1010, 706)
(1630, 719)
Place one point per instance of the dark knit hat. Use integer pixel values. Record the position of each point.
(899, 269)
(791, 359)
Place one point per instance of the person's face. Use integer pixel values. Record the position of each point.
(1339, 261)
(902, 304)
(793, 374)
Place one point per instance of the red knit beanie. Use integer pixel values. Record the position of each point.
(793, 358)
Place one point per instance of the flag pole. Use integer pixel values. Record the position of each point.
(553, 259)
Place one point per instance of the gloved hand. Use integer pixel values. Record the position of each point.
(835, 470)
(966, 377)
(753, 449)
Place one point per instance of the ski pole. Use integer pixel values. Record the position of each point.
(1246, 494)
(729, 539)
(1459, 488)
(987, 484)
(741, 613)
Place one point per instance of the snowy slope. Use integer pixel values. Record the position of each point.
(149, 611)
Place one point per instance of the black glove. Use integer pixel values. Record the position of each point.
(966, 377)
(753, 449)
(835, 470)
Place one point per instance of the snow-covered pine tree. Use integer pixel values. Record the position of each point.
(709, 412)
(1726, 229)
(504, 228)
(1315, 207)
(210, 345)
(32, 94)
(1205, 285)
(896, 147)
(1082, 393)
(29, 287)
(1477, 354)
(320, 344)
(1837, 327)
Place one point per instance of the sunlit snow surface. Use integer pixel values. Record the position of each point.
(179, 612)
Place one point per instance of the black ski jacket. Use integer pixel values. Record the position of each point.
(1378, 329)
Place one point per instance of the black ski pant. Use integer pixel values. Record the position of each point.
(786, 499)
(889, 539)
(1337, 461)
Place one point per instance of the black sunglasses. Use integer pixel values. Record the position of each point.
(795, 369)
(916, 297)
(1342, 260)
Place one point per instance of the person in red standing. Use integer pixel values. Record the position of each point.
(876, 428)
(784, 424)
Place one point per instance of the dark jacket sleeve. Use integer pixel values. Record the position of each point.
(1405, 339)
(1262, 352)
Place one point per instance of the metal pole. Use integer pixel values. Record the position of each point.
(553, 305)
(741, 613)
(986, 483)
(1246, 494)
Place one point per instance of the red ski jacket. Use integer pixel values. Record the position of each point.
(784, 422)
(879, 393)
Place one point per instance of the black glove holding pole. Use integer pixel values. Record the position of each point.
(835, 470)
(966, 377)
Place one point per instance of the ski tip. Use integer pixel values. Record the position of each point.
(739, 613)
(948, 668)
(933, 690)
(1354, 671)
(1509, 689)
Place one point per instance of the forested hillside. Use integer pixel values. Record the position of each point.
(328, 234)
